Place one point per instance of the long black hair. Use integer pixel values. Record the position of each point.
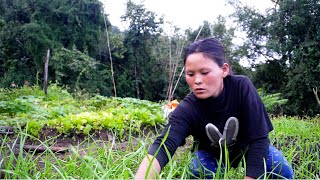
(210, 47)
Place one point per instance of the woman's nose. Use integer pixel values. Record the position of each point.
(198, 81)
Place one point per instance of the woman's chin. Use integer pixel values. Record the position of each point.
(202, 95)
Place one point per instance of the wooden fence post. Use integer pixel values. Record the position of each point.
(46, 64)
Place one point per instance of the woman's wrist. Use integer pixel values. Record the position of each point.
(248, 177)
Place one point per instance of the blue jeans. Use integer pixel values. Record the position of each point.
(205, 165)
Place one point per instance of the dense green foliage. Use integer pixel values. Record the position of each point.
(272, 102)
(146, 61)
(287, 36)
(29, 28)
(141, 64)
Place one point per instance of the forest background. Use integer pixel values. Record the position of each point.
(88, 55)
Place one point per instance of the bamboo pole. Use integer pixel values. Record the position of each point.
(111, 62)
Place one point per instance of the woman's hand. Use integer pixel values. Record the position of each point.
(142, 170)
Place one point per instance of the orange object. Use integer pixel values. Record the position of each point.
(173, 104)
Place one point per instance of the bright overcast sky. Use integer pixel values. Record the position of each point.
(181, 13)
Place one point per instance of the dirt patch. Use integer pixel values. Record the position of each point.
(61, 143)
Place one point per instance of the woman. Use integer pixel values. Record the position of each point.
(222, 110)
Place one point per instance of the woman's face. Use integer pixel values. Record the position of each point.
(204, 76)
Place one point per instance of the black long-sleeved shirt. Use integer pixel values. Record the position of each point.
(238, 99)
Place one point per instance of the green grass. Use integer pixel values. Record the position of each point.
(296, 138)
(299, 139)
(30, 112)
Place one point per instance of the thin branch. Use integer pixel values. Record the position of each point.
(315, 91)
(170, 73)
(179, 51)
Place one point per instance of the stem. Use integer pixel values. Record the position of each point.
(111, 63)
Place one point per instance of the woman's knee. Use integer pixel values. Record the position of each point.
(277, 164)
(203, 165)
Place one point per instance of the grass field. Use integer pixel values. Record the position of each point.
(104, 140)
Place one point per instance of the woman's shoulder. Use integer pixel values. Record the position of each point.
(239, 84)
(238, 80)
(189, 100)
(186, 109)
(188, 104)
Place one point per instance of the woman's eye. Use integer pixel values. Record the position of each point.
(189, 74)
(204, 73)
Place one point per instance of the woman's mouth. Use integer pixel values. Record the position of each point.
(199, 90)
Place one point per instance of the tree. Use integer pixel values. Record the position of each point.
(144, 29)
(80, 72)
(287, 33)
(269, 76)
(203, 31)
(29, 28)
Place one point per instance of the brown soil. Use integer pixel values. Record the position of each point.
(60, 143)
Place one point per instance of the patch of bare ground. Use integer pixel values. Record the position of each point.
(61, 144)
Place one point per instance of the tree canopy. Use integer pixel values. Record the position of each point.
(287, 36)
(147, 63)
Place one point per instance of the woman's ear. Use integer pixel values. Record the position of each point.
(225, 69)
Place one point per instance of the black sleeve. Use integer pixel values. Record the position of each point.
(256, 155)
(179, 129)
(255, 128)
